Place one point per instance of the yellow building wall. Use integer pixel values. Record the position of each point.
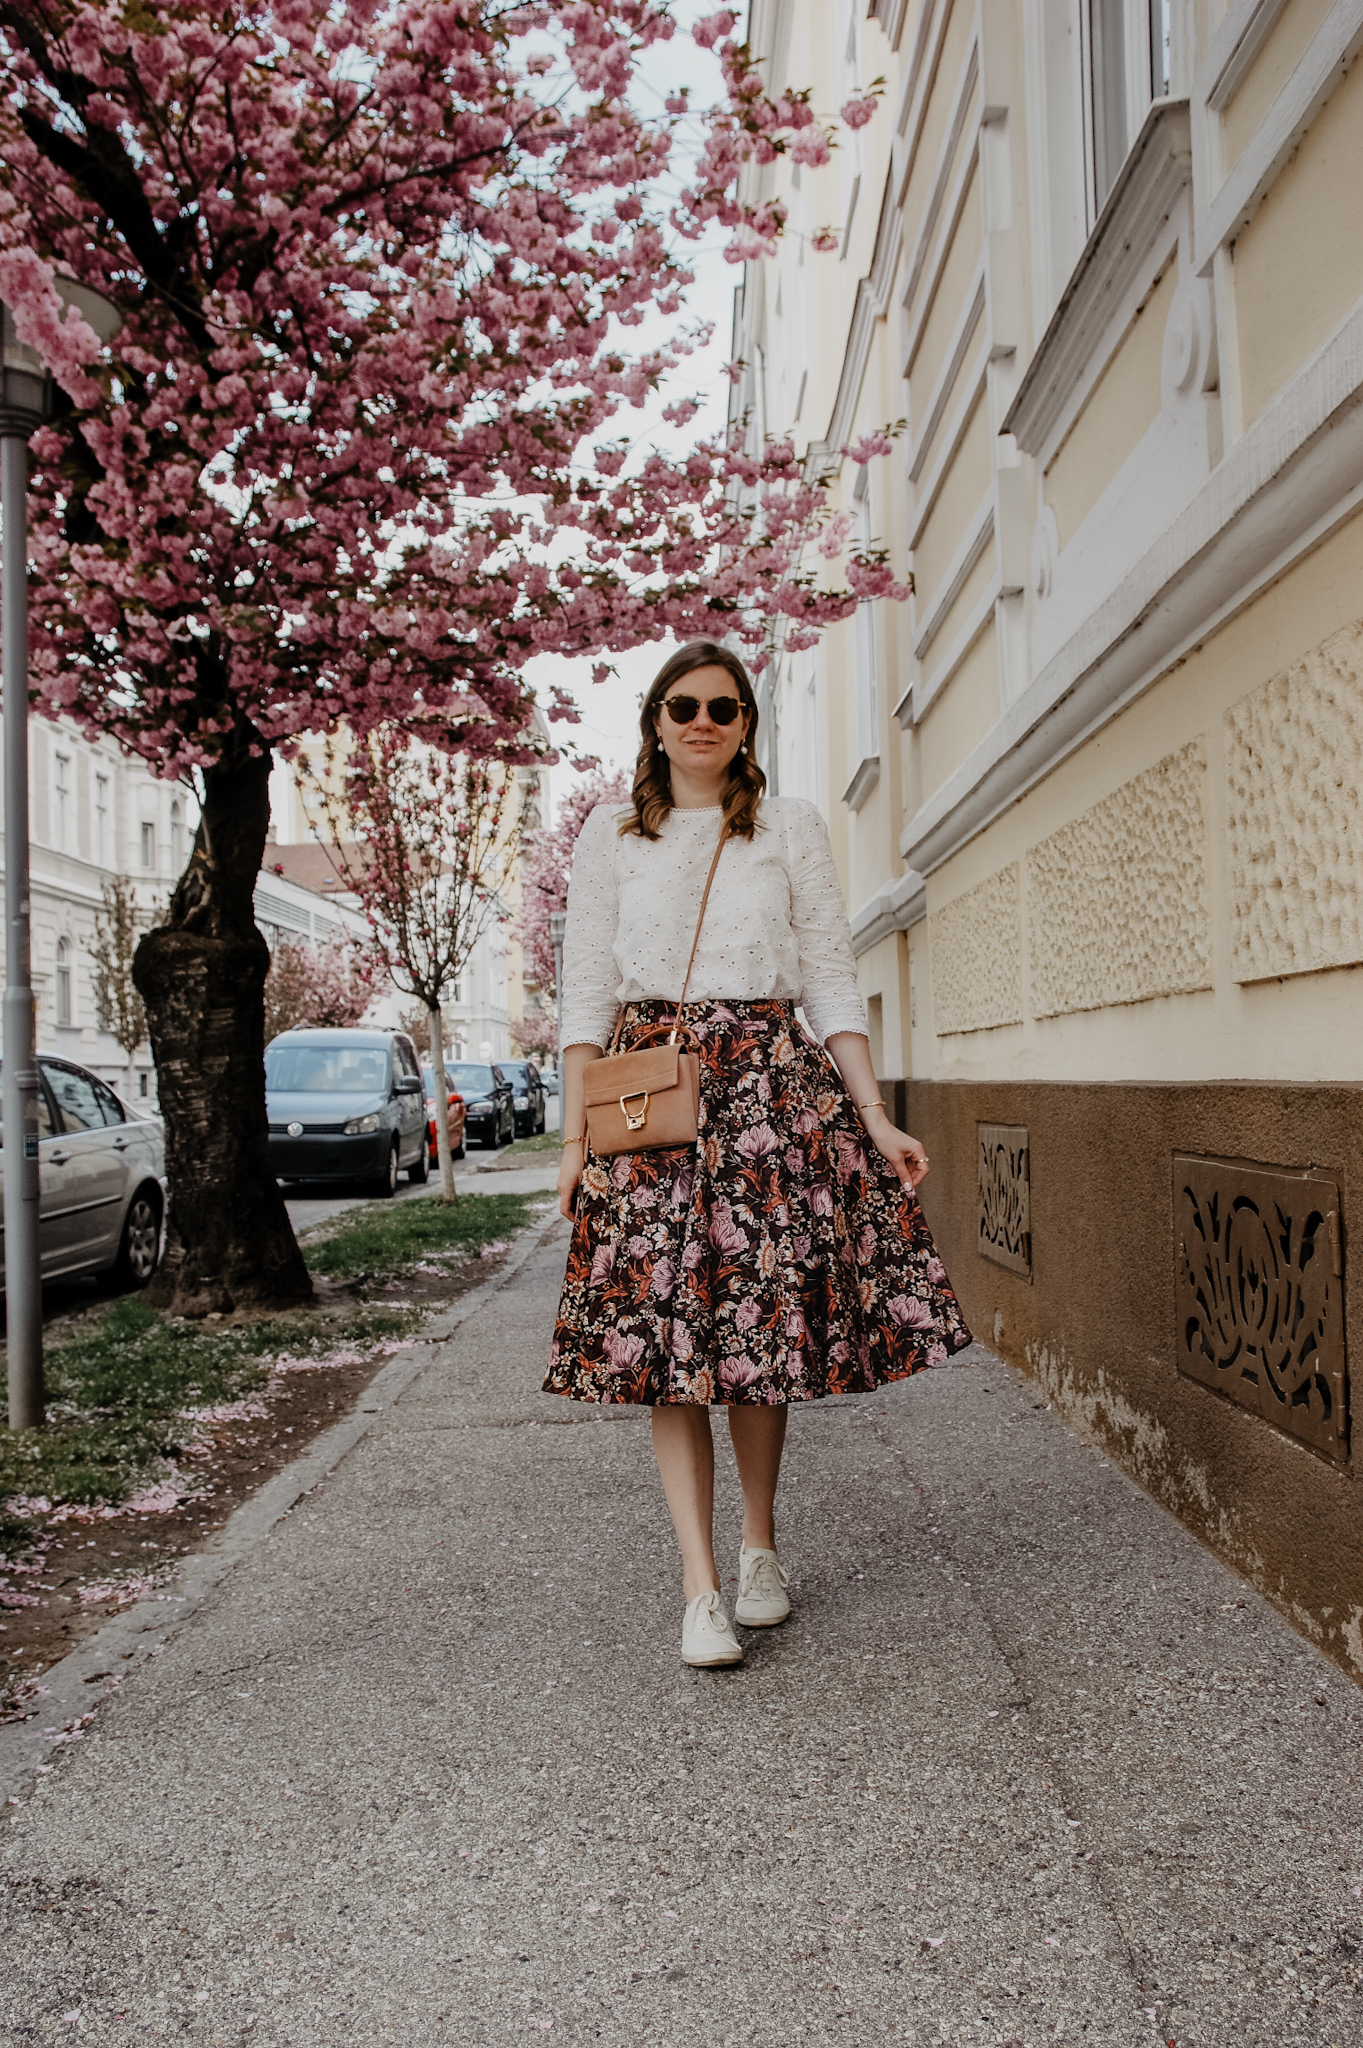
(1299, 263)
(1123, 405)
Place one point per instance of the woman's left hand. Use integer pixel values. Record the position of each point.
(904, 1153)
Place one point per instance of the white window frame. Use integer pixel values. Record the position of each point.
(102, 820)
(148, 842)
(1135, 41)
(63, 981)
(61, 794)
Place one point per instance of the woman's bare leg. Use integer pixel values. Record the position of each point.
(758, 1435)
(685, 1451)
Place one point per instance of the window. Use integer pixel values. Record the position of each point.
(177, 838)
(866, 711)
(1127, 65)
(148, 844)
(110, 1108)
(61, 796)
(142, 1085)
(102, 820)
(63, 982)
(76, 1097)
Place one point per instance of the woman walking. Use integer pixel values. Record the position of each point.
(783, 1256)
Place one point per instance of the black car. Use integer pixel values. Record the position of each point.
(527, 1095)
(345, 1105)
(489, 1103)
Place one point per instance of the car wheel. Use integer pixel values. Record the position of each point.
(139, 1248)
(387, 1184)
(419, 1172)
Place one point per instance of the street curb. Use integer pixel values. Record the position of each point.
(78, 1684)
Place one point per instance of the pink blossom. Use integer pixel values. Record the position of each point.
(682, 1347)
(664, 1279)
(821, 1199)
(747, 1315)
(936, 1354)
(866, 1245)
(639, 1247)
(911, 1314)
(935, 1271)
(851, 1158)
(739, 1372)
(603, 1264)
(857, 112)
(758, 1142)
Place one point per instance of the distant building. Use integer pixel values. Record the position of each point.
(94, 813)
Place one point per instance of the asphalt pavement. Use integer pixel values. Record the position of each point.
(1026, 1766)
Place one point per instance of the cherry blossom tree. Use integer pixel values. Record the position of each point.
(347, 458)
(331, 983)
(427, 841)
(546, 865)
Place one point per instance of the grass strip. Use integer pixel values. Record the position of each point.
(383, 1237)
(118, 1390)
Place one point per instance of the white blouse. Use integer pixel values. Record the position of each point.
(776, 924)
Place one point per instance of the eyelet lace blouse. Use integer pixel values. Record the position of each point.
(776, 925)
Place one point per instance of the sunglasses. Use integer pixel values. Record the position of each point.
(682, 710)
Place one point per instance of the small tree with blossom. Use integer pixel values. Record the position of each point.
(426, 840)
(119, 925)
(546, 867)
(327, 984)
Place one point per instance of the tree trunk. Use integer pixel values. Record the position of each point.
(201, 975)
(436, 1022)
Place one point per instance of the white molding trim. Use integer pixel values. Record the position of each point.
(1296, 471)
(914, 326)
(863, 782)
(1157, 170)
(978, 533)
(913, 111)
(873, 296)
(890, 14)
(946, 156)
(971, 312)
(1332, 48)
(980, 616)
(895, 908)
(974, 394)
(1233, 46)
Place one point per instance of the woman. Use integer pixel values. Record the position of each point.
(784, 1257)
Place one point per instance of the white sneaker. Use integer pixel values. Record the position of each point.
(762, 1601)
(706, 1635)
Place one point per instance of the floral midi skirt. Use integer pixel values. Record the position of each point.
(779, 1259)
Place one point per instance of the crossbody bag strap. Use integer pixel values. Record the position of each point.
(709, 880)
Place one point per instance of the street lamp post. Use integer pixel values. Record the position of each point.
(26, 403)
(558, 925)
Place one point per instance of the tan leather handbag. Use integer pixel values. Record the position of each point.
(646, 1101)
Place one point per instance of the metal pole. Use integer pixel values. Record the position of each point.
(23, 1285)
(558, 997)
(558, 926)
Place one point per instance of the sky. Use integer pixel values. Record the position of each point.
(610, 710)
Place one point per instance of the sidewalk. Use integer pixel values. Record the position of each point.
(1027, 1766)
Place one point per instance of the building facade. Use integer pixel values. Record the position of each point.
(94, 814)
(1094, 790)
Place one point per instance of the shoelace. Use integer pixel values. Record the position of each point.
(712, 1615)
(757, 1577)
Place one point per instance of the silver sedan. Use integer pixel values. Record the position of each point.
(101, 1180)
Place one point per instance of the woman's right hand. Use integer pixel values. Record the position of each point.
(569, 1174)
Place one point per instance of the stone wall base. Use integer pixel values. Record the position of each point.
(1101, 1324)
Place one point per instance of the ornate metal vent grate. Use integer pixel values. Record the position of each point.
(1005, 1214)
(1259, 1291)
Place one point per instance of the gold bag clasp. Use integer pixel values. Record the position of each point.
(636, 1121)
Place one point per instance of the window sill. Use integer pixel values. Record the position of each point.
(862, 783)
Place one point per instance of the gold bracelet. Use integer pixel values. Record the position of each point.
(576, 1141)
(877, 1104)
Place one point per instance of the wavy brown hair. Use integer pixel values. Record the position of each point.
(652, 791)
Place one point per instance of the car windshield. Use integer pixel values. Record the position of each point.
(336, 1069)
(517, 1070)
(471, 1080)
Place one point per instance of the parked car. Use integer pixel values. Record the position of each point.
(527, 1095)
(454, 1114)
(549, 1083)
(346, 1105)
(489, 1104)
(101, 1180)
